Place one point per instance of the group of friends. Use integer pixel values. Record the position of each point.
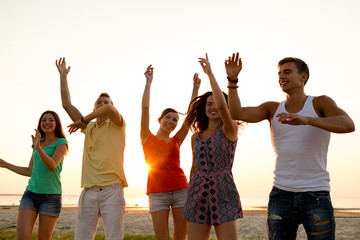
(300, 131)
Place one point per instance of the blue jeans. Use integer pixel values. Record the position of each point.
(43, 204)
(286, 210)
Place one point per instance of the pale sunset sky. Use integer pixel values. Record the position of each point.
(109, 44)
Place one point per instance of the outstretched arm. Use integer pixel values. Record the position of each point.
(182, 133)
(72, 111)
(233, 66)
(145, 105)
(50, 162)
(332, 118)
(25, 171)
(230, 126)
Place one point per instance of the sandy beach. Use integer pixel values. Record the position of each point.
(138, 221)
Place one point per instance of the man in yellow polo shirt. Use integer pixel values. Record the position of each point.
(103, 177)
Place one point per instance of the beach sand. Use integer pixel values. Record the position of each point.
(138, 221)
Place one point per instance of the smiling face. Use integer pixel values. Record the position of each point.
(48, 123)
(169, 122)
(289, 77)
(211, 109)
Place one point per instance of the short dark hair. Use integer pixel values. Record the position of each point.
(300, 65)
(105, 94)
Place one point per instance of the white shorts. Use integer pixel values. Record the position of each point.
(107, 202)
(163, 200)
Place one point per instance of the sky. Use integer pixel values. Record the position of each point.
(109, 44)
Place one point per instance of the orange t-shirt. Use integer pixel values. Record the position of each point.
(163, 159)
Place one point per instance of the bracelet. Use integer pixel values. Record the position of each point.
(234, 87)
(233, 81)
(82, 121)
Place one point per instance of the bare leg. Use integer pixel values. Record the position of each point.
(180, 224)
(25, 224)
(198, 231)
(160, 221)
(46, 227)
(227, 231)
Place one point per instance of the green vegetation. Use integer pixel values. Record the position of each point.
(11, 234)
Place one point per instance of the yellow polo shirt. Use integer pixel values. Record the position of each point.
(103, 157)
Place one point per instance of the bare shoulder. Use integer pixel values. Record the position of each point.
(193, 137)
(326, 106)
(322, 99)
(270, 107)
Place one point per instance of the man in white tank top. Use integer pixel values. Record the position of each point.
(300, 131)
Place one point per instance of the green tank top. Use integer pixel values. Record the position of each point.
(44, 181)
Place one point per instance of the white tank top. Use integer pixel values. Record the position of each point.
(301, 153)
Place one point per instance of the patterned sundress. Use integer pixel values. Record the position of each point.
(212, 195)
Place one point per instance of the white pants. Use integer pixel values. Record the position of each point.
(107, 202)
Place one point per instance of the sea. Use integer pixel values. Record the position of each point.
(346, 204)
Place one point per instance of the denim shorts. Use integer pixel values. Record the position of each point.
(287, 210)
(163, 200)
(43, 204)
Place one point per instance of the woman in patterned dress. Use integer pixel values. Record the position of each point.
(212, 195)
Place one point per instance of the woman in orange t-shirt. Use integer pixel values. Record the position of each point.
(167, 183)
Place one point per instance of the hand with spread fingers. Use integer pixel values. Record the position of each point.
(233, 66)
(61, 66)
(76, 126)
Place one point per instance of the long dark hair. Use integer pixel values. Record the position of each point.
(196, 116)
(58, 128)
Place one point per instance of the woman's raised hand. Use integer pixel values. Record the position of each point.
(197, 81)
(205, 64)
(149, 73)
(61, 66)
(36, 139)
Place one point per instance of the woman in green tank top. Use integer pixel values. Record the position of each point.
(42, 196)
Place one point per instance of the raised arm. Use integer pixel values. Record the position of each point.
(233, 66)
(230, 126)
(72, 111)
(332, 118)
(25, 171)
(145, 105)
(182, 133)
(50, 162)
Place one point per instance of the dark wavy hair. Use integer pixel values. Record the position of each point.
(196, 116)
(58, 128)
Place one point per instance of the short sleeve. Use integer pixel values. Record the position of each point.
(61, 141)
